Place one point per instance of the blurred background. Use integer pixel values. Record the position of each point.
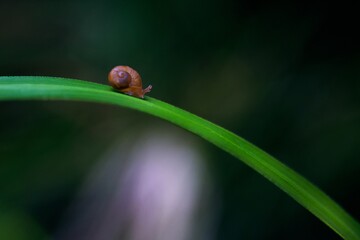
(283, 75)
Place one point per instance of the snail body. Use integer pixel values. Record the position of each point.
(128, 81)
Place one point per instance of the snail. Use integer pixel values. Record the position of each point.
(128, 81)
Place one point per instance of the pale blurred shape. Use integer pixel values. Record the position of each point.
(159, 193)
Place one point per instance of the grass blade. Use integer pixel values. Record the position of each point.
(304, 192)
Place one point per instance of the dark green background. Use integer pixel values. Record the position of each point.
(285, 76)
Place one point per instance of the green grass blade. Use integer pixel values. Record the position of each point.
(304, 192)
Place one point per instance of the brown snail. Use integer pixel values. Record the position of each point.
(128, 81)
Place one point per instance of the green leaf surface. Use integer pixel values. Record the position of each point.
(304, 192)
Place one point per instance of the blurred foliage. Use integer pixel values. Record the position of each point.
(283, 75)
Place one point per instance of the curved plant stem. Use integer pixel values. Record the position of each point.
(304, 192)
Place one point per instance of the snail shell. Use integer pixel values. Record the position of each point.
(128, 81)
